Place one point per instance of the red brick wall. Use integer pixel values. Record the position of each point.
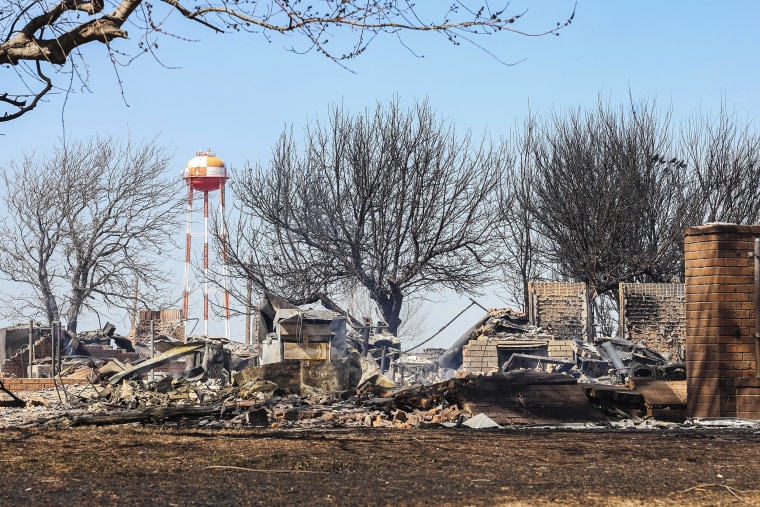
(721, 366)
(14, 367)
(18, 364)
(653, 313)
(35, 384)
(560, 308)
(165, 322)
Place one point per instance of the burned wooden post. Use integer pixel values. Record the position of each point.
(59, 338)
(152, 346)
(55, 347)
(382, 359)
(248, 304)
(248, 310)
(31, 348)
(365, 335)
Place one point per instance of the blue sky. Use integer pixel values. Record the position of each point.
(235, 94)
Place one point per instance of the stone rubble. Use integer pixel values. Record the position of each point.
(213, 384)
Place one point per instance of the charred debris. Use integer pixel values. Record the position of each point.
(310, 369)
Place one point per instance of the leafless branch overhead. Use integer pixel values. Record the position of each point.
(34, 32)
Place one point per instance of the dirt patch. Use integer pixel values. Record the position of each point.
(129, 465)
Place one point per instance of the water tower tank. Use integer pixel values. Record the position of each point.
(205, 172)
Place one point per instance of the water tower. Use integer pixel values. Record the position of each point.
(205, 173)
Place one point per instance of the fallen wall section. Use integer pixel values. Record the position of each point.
(487, 354)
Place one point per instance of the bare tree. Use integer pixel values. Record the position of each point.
(42, 37)
(88, 222)
(32, 235)
(522, 244)
(389, 200)
(610, 196)
(723, 156)
(413, 313)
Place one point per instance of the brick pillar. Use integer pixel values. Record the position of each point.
(721, 366)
